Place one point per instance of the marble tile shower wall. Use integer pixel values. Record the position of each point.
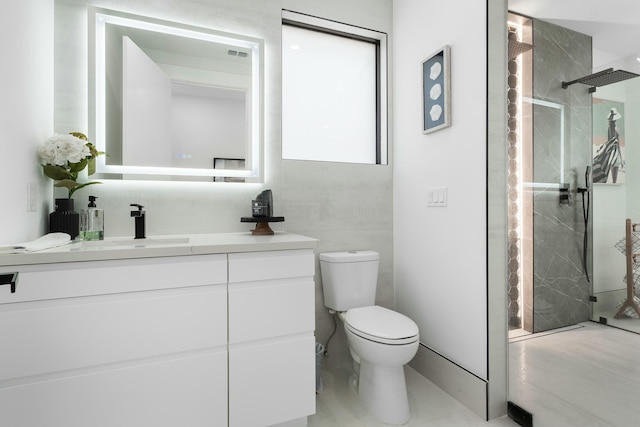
(561, 289)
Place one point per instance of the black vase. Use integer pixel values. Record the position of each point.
(64, 219)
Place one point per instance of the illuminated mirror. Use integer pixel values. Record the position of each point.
(170, 98)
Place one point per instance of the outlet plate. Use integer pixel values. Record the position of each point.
(32, 197)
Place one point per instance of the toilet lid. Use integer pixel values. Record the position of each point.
(350, 256)
(381, 324)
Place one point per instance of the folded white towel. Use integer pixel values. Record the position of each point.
(47, 241)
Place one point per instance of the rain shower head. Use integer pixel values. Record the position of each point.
(602, 78)
(516, 48)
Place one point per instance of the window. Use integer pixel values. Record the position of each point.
(334, 91)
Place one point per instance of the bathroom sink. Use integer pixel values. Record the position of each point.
(150, 241)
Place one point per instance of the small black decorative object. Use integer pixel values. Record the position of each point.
(262, 214)
(64, 219)
(262, 206)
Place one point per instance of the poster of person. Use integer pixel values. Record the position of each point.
(608, 142)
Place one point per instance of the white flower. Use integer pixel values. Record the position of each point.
(435, 112)
(436, 69)
(60, 149)
(65, 156)
(435, 91)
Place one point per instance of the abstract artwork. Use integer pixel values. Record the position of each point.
(608, 142)
(436, 91)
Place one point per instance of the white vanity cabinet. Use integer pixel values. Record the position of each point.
(271, 338)
(135, 342)
(209, 339)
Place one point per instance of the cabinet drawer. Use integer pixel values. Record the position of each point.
(57, 335)
(271, 383)
(189, 391)
(262, 310)
(63, 280)
(247, 267)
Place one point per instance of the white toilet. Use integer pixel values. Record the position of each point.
(382, 341)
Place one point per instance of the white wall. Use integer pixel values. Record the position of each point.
(26, 34)
(450, 262)
(440, 253)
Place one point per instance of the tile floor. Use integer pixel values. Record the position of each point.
(337, 406)
(582, 376)
(627, 323)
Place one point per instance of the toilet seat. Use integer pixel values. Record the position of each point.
(381, 325)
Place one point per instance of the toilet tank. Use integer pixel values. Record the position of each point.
(349, 279)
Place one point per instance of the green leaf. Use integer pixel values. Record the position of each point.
(69, 184)
(77, 167)
(93, 150)
(91, 166)
(66, 183)
(79, 186)
(56, 172)
(79, 135)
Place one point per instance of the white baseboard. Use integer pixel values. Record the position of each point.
(465, 387)
(298, 422)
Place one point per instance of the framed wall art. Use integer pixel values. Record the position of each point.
(436, 91)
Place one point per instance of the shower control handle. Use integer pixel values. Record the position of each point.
(587, 177)
(565, 194)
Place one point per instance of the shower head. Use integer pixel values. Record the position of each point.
(516, 48)
(602, 78)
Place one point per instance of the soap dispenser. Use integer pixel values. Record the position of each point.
(92, 222)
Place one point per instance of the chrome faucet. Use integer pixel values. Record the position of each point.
(139, 218)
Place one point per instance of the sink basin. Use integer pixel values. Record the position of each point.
(150, 241)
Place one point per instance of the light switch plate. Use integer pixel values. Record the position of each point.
(437, 197)
(32, 197)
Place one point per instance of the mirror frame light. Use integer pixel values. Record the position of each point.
(98, 18)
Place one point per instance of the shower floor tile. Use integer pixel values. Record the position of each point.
(586, 376)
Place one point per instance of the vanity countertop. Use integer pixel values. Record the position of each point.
(160, 246)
